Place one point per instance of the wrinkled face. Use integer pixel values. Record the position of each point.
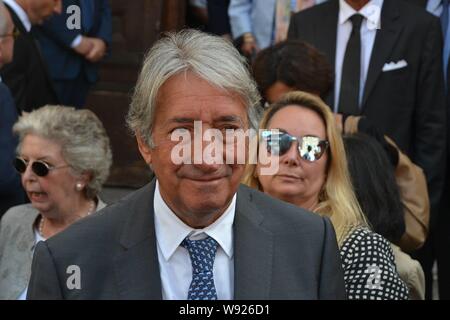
(53, 192)
(7, 43)
(199, 192)
(297, 181)
(40, 10)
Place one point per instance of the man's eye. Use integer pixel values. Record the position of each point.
(229, 127)
(181, 130)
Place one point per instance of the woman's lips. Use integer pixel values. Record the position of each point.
(289, 176)
(37, 196)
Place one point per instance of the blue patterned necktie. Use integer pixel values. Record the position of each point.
(202, 254)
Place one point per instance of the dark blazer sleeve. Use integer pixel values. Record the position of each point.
(44, 283)
(11, 192)
(105, 30)
(430, 120)
(54, 30)
(332, 284)
(8, 116)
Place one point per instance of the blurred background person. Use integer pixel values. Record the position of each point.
(255, 25)
(64, 158)
(379, 198)
(300, 132)
(73, 55)
(11, 193)
(289, 66)
(27, 76)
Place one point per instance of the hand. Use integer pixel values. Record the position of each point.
(84, 47)
(338, 117)
(249, 46)
(98, 50)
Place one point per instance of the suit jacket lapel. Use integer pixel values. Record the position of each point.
(326, 35)
(16, 21)
(137, 266)
(253, 251)
(385, 40)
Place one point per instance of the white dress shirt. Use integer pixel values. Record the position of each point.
(37, 238)
(20, 13)
(435, 7)
(174, 260)
(372, 22)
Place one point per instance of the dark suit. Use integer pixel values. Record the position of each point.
(11, 193)
(280, 252)
(407, 104)
(218, 20)
(72, 74)
(27, 75)
(438, 244)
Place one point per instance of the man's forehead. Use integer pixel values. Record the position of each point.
(190, 85)
(188, 96)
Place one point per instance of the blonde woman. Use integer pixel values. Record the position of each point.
(299, 132)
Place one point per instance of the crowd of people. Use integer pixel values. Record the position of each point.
(345, 196)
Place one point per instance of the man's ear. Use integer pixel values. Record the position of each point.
(144, 149)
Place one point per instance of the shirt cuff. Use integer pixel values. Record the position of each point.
(76, 42)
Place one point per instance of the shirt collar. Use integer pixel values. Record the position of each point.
(434, 5)
(20, 13)
(171, 231)
(371, 11)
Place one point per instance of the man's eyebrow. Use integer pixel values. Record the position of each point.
(229, 119)
(181, 120)
(184, 120)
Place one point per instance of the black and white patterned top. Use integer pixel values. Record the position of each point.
(369, 268)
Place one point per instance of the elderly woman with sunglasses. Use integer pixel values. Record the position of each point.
(64, 157)
(298, 134)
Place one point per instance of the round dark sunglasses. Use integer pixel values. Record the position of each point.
(278, 142)
(39, 167)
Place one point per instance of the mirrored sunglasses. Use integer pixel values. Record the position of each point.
(310, 148)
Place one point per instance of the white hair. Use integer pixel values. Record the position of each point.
(81, 135)
(210, 57)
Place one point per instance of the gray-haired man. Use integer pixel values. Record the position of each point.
(193, 232)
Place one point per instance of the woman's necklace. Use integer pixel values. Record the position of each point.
(41, 223)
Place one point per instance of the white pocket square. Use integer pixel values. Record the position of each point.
(394, 65)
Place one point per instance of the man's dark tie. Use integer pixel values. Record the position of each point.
(202, 253)
(351, 70)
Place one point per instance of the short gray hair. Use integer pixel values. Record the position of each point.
(81, 135)
(210, 57)
(3, 19)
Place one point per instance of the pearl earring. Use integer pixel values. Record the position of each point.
(79, 186)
